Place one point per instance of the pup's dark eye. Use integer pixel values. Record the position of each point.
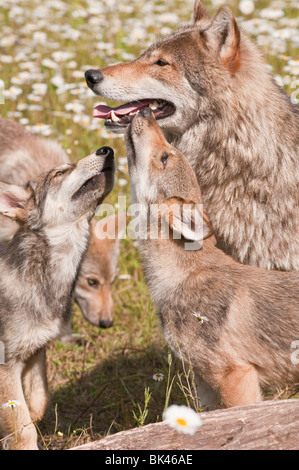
(93, 282)
(161, 63)
(59, 173)
(164, 158)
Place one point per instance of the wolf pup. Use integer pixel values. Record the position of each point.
(234, 323)
(217, 102)
(23, 157)
(39, 268)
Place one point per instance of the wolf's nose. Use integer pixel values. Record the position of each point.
(93, 77)
(105, 152)
(106, 323)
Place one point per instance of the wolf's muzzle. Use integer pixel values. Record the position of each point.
(93, 77)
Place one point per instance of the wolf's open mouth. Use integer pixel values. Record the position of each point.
(92, 182)
(122, 115)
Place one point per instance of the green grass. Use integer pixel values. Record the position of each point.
(102, 385)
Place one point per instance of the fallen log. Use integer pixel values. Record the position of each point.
(269, 425)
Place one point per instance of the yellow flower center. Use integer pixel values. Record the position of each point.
(181, 422)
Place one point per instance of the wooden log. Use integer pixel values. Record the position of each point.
(269, 425)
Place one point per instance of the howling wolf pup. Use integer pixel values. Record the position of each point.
(23, 158)
(235, 324)
(39, 268)
(216, 102)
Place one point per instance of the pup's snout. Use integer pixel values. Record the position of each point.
(146, 112)
(106, 152)
(93, 77)
(106, 323)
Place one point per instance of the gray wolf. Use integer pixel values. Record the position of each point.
(24, 157)
(39, 268)
(234, 323)
(217, 102)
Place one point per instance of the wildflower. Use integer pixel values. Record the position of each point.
(62, 56)
(124, 276)
(40, 88)
(200, 317)
(57, 81)
(183, 419)
(246, 7)
(49, 64)
(11, 404)
(158, 376)
(43, 129)
(39, 37)
(75, 106)
(13, 92)
(122, 182)
(272, 13)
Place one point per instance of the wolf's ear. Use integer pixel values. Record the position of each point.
(199, 12)
(224, 35)
(12, 201)
(189, 220)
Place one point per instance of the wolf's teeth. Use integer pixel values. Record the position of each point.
(154, 105)
(162, 104)
(114, 118)
(132, 114)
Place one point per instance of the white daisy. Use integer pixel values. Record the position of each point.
(124, 276)
(11, 404)
(158, 376)
(183, 419)
(246, 7)
(200, 317)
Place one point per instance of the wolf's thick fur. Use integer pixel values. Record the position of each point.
(23, 158)
(39, 269)
(238, 129)
(249, 316)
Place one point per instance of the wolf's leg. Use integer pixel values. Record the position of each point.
(16, 424)
(240, 386)
(209, 398)
(35, 385)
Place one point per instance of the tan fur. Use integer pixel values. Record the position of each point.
(250, 314)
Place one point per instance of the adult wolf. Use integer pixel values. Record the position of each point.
(217, 102)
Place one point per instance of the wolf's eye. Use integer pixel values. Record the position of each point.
(93, 282)
(161, 63)
(59, 173)
(164, 158)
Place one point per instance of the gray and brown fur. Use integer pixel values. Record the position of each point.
(238, 129)
(39, 268)
(23, 158)
(243, 346)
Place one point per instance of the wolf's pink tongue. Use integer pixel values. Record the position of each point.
(104, 112)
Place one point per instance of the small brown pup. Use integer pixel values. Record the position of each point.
(235, 324)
